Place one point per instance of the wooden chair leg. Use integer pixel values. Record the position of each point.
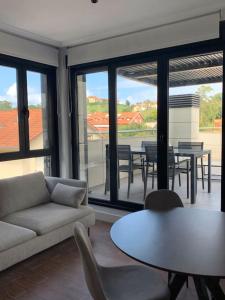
(179, 180)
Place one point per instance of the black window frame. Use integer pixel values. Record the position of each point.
(22, 66)
(162, 57)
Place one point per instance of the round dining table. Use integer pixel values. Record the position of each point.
(182, 241)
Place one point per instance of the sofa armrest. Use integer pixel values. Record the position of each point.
(52, 181)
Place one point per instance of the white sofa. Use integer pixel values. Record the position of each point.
(30, 222)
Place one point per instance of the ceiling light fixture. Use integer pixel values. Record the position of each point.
(94, 1)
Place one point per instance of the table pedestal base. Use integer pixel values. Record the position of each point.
(203, 285)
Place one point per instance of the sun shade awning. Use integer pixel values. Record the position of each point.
(201, 69)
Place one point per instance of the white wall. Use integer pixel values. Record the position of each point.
(26, 49)
(188, 31)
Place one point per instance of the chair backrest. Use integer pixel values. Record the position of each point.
(123, 152)
(90, 265)
(162, 200)
(191, 145)
(151, 153)
(148, 143)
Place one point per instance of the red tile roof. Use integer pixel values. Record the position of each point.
(100, 120)
(9, 130)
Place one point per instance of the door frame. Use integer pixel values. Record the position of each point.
(162, 58)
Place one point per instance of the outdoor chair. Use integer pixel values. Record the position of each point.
(195, 146)
(174, 169)
(124, 155)
(148, 143)
(128, 165)
(117, 283)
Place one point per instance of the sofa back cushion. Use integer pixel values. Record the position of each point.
(21, 192)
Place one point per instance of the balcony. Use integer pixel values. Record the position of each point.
(97, 165)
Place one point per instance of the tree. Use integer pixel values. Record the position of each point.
(127, 103)
(210, 106)
(5, 105)
(203, 91)
(150, 115)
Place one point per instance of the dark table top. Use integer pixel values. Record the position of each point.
(178, 152)
(182, 240)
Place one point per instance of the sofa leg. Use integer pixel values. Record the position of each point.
(89, 231)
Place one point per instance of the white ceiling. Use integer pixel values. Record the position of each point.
(72, 22)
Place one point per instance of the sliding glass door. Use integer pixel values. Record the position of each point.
(195, 128)
(136, 105)
(93, 120)
(147, 123)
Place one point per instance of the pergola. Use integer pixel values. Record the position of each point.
(201, 69)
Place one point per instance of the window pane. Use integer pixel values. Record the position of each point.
(195, 128)
(9, 129)
(25, 166)
(37, 104)
(136, 129)
(93, 116)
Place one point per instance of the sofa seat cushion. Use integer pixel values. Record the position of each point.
(47, 217)
(12, 235)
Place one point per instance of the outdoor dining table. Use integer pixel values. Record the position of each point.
(192, 155)
(183, 241)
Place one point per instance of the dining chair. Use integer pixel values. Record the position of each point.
(128, 165)
(195, 146)
(163, 200)
(174, 169)
(150, 163)
(133, 282)
(148, 143)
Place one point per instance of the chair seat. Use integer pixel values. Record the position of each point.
(133, 283)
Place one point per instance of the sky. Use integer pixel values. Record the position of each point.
(97, 85)
(8, 86)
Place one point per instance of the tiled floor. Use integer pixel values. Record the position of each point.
(203, 200)
(56, 273)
